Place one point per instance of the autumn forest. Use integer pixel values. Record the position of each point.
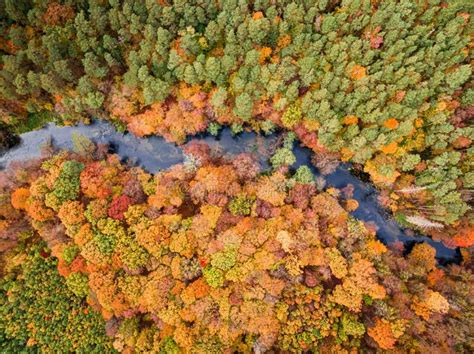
(231, 249)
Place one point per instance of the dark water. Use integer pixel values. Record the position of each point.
(369, 210)
(154, 154)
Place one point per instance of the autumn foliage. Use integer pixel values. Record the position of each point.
(355, 80)
(19, 198)
(225, 257)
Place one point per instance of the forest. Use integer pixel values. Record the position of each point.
(217, 254)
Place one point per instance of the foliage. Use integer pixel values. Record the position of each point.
(82, 144)
(240, 205)
(283, 157)
(119, 206)
(211, 256)
(19, 198)
(214, 128)
(304, 175)
(219, 258)
(77, 283)
(384, 85)
(213, 276)
(291, 117)
(40, 313)
(34, 121)
(66, 187)
(70, 253)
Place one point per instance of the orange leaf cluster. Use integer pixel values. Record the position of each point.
(71, 212)
(148, 122)
(390, 148)
(432, 301)
(382, 334)
(358, 72)
(346, 154)
(265, 52)
(57, 14)
(391, 123)
(38, 211)
(19, 198)
(376, 247)
(360, 281)
(351, 120)
(465, 237)
(98, 178)
(284, 41)
(352, 204)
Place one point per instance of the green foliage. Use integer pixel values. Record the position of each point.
(367, 299)
(410, 161)
(82, 144)
(268, 127)
(283, 157)
(133, 255)
(213, 276)
(243, 106)
(304, 175)
(349, 326)
(467, 97)
(67, 185)
(292, 116)
(289, 140)
(459, 76)
(33, 121)
(169, 346)
(77, 283)
(38, 312)
(224, 260)
(236, 128)
(214, 128)
(186, 223)
(241, 205)
(105, 243)
(469, 180)
(70, 253)
(439, 177)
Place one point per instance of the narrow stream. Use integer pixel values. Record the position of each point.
(154, 153)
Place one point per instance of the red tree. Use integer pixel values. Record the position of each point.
(119, 206)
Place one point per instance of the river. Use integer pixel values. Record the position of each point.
(154, 154)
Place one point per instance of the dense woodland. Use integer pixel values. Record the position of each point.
(216, 255)
(212, 256)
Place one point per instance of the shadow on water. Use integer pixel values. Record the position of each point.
(7, 139)
(154, 154)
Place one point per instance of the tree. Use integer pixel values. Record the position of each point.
(19, 198)
(67, 185)
(243, 106)
(382, 334)
(431, 301)
(119, 206)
